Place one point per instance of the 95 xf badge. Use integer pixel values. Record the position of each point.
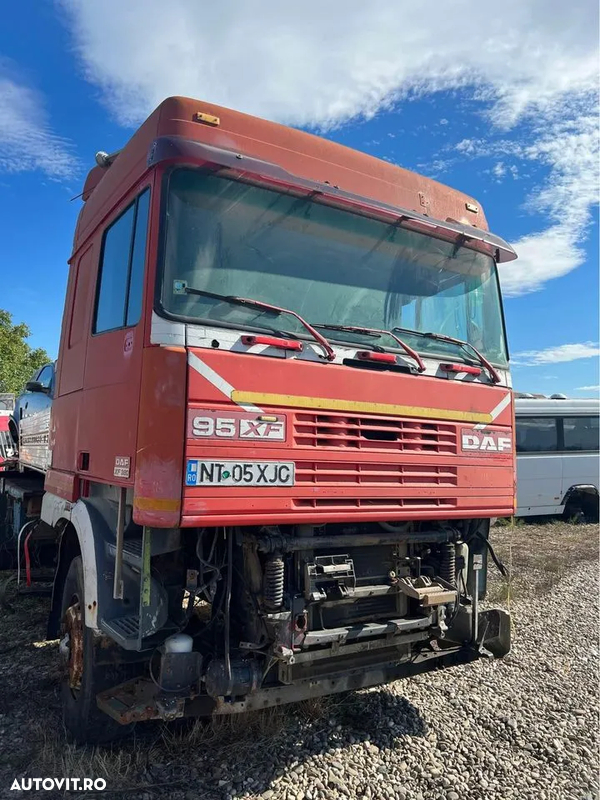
(239, 473)
(220, 425)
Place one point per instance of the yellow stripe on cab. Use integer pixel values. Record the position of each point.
(333, 404)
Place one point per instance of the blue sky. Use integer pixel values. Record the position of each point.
(504, 109)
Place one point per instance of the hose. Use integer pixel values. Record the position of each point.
(387, 526)
(501, 568)
(31, 522)
(229, 535)
(27, 558)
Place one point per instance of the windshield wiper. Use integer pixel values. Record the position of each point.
(441, 337)
(352, 328)
(378, 333)
(245, 301)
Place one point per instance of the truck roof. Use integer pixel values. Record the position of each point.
(299, 153)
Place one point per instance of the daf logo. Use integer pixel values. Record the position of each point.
(488, 442)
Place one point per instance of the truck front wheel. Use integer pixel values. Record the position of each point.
(82, 677)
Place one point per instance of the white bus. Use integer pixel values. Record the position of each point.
(557, 457)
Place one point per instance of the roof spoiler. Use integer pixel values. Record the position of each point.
(174, 148)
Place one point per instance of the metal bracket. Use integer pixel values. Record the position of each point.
(427, 591)
(145, 582)
(118, 578)
(191, 584)
(477, 566)
(170, 708)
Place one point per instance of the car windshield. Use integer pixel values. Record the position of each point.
(331, 266)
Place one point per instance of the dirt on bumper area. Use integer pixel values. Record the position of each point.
(522, 727)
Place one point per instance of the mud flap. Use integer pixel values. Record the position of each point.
(494, 627)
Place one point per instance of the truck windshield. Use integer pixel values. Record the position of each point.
(331, 266)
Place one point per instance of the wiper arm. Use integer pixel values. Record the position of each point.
(378, 333)
(351, 328)
(441, 337)
(245, 301)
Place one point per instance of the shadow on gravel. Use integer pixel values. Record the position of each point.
(246, 756)
(229, 757)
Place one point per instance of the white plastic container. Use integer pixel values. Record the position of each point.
(179, 643)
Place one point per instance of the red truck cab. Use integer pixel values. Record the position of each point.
(282, 420)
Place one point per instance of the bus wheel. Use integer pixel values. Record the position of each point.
(591, 508)
(82, 677)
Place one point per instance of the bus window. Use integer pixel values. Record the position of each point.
(536, 434)
(581, 433)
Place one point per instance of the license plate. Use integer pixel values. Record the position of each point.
(239, 473)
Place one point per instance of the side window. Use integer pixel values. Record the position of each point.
(581, 433)
(536, 434)
(77, 328)
(138, 259)
(45, 376)
(120, 278)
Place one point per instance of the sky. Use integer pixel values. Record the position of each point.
(498, 100)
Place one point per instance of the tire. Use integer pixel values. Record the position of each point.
(83, 678)
(591, 508)
(8, 590)
(574, 514)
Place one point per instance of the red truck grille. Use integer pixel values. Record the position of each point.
(340, 473)
(341, 503)
(366, 432)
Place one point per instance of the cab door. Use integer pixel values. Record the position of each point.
(108, 422)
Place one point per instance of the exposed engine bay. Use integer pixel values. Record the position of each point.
(274, 614)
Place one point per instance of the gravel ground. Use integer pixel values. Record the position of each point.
(523, 727)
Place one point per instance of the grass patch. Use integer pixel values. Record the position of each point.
(538, 556)
(222, 733)
(119, 766)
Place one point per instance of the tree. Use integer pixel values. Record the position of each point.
(18, 361)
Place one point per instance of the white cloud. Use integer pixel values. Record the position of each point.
(437, 167)
(588, 389)
(554, 355)
(499, 170)
(320, 64)
(542, 256)
(26, 140)
(568, 148)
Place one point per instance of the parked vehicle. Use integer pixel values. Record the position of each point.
(36, 397)
(281, 423)
(557, 457)
(7, 446)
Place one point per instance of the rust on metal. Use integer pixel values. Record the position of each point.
(133, 701)
(73, 622)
